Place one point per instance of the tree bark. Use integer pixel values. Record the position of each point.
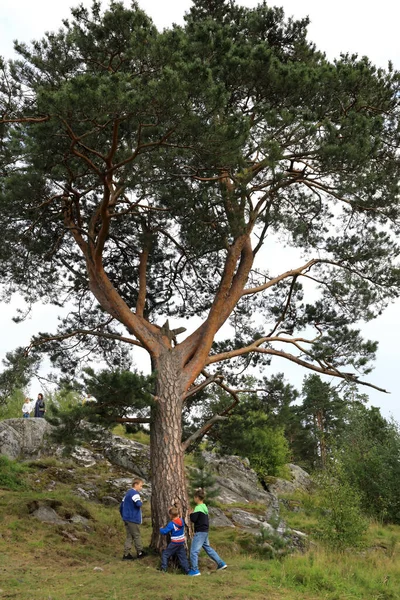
(166, 451)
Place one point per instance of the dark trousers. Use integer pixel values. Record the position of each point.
(178, 550)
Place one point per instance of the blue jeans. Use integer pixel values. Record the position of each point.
(178, 550)
(26, 415)
(199, 541)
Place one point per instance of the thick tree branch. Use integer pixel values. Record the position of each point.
(132, 420)
(328, 370)
(202, 431)
(197, 346)
(208, 381)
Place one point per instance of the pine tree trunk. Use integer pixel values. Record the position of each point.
(166, 453)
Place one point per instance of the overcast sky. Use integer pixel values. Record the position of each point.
(354, 26)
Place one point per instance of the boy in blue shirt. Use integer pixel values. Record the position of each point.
(131, 513)
(176, 547)
(199, 518)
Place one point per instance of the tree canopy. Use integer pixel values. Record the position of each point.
(148, 169)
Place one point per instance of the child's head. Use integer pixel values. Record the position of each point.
(173, 512)
(26, 400)
(199, 496)
(137, 484)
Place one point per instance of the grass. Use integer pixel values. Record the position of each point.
(40, 561)
(139, 436)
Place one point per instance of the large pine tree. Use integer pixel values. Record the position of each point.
(143, 172)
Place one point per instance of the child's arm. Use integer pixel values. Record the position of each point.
(137, 501)
(194, 516)
(167, 529)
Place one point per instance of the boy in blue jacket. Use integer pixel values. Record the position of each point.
(176, 547)
(131, 513)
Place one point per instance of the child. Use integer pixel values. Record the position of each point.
(176, 527)
(26, 408)
(131, 514)
(199, 518)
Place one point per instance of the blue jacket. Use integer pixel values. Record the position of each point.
(130, 507)
(177, 530)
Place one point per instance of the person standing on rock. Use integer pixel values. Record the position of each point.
(40, 407)
(199, 518)
(26, 408)
(131, 513)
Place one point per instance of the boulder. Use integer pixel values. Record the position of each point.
(300, 481)
(238, 483)
(83, 457)
(46, 514)
(79, 520)
(218, 518)
(246, 519)
(23, 438)
(128, 454)
(109, 501)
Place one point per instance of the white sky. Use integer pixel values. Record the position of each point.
(356, 26)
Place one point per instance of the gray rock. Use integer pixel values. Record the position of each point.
(23, 438)
(79, 520)
(83, 457)
(246, 519)
(237, 482)
(218, 518)
(131, 455)
(46, 514)
(300, 480)
(109, 501)
(82, 493)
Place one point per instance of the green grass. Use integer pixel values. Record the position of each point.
(39, 561)
(140, 436)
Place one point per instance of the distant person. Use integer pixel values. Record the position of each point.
(176, 547)
(131, 513)
(199, 518)
(40, 407)
(26, 408)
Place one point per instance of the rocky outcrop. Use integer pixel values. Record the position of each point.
(128, 454)
(238, 483)
(23, 438)
(300, 480)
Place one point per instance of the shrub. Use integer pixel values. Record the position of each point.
(10, 474)
(342, 521)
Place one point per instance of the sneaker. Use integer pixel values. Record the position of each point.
(161, 570)
(142, 554)
(222, 566)
(128, 557)
(194, 572)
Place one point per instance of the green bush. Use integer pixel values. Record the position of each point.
(371, 451)
(265, 446)
(342, 521)
(12, 405)
(10, 474)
